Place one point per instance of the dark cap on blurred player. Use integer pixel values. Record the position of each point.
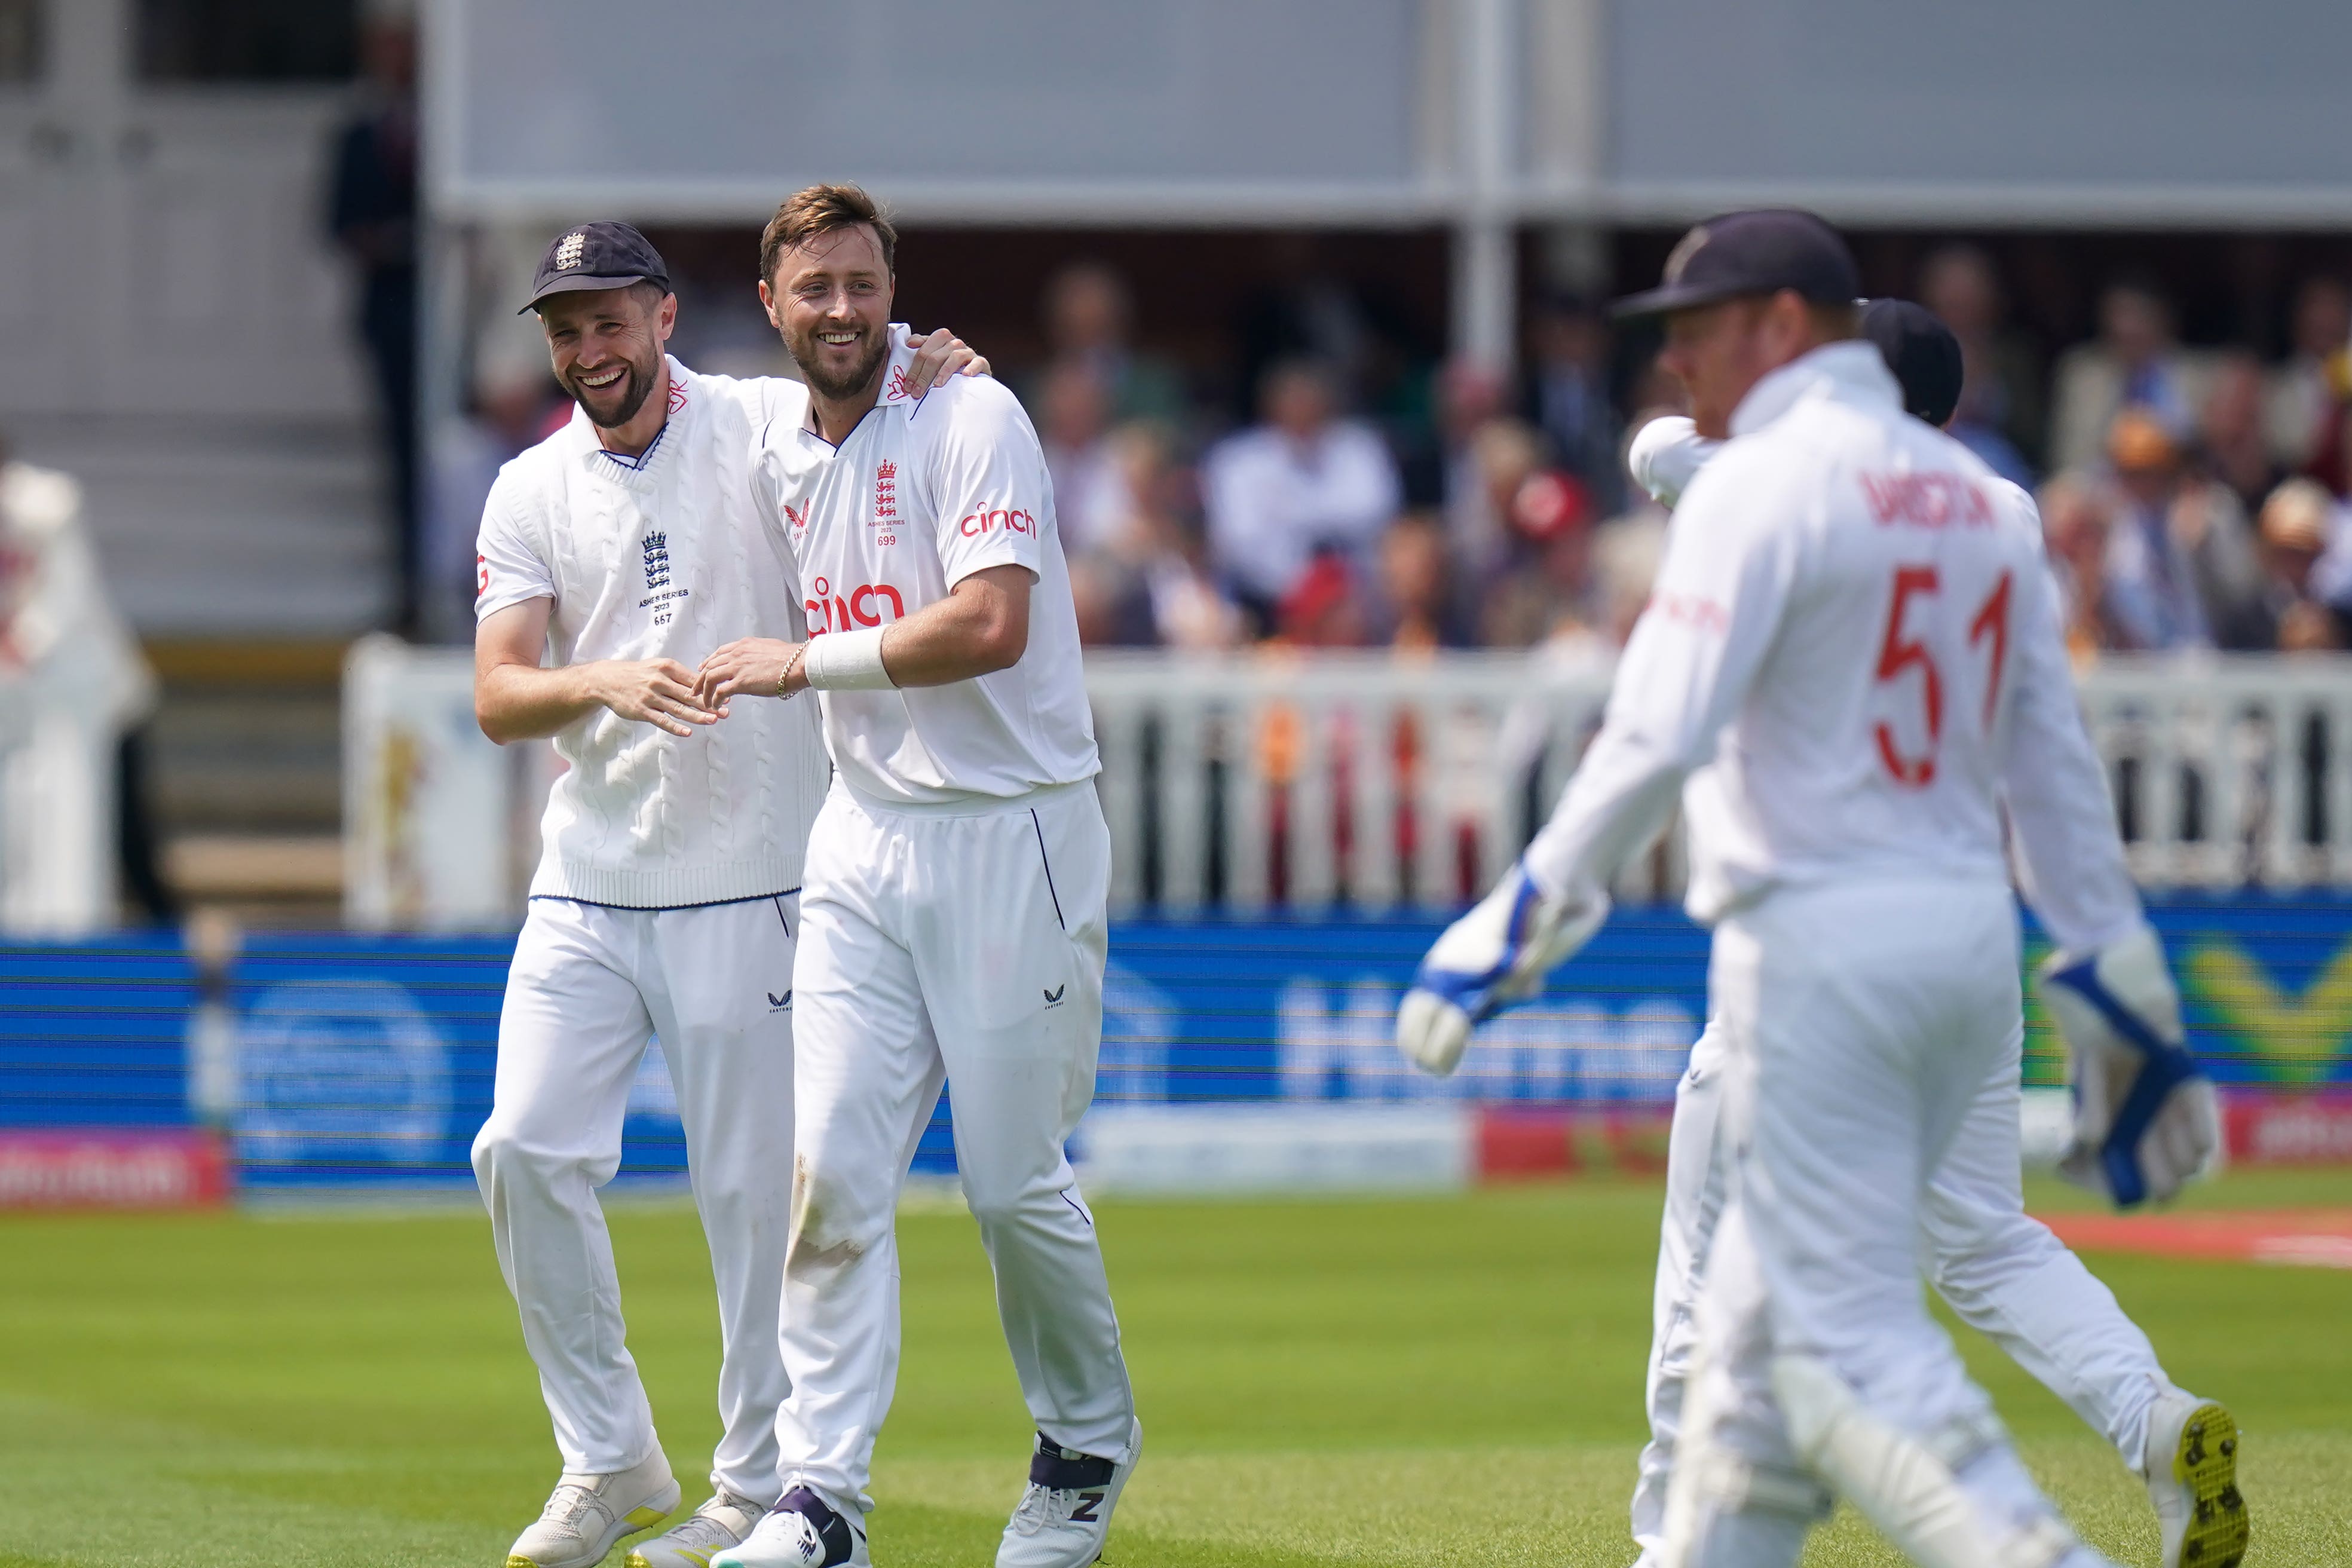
(1922, 353)
(1758, 252)
(596, 255)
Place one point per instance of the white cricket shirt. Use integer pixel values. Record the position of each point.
(1853, 629)
(924, 492)
(2061, 820)
(662, 558)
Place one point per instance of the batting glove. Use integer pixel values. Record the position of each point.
(1497, 954)
(2146, 1118)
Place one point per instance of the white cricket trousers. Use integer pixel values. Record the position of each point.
(962, 944)
(1864, 1022)
(589, 985)
(2002, 1272)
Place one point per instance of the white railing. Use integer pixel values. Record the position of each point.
(1270, 780)
(1307, 782)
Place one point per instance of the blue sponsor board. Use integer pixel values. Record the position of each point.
(371, 1059)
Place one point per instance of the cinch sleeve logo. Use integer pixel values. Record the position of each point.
(1011, 519)
(860, 606)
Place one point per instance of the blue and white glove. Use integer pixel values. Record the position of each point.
(1497, 954)
(2146, 1118)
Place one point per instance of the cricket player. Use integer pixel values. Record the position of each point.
(1862, 643)
(614, 555)
(953, 920)
(2002, 1271)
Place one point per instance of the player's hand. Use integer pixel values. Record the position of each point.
(940, 355)
(2146, 1119)
(657, 692)
(1497, 954)
(756, 665)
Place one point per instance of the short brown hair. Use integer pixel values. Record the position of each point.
(821, 209)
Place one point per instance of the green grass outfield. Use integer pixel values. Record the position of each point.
(1451, 1381)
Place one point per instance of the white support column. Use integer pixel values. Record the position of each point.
(1484, 276)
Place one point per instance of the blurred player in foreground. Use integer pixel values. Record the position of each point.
(953, 918)
(1862, 643)
(2002, 1271)
(627, 546)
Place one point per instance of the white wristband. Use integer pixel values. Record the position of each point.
(847, 661)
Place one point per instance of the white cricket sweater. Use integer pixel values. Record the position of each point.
(665, 560)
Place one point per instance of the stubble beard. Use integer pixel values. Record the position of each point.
(804, 349)
(640, 387)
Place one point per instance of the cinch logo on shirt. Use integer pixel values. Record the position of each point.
(860, 606)
(1011, 522)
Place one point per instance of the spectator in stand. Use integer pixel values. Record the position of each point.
(1089, 322)
(2181, 569)
(2299, 522)
(1185, 606)
(1090, 500)
(1421, 610)
(2135, 363)
(372, 214)
(1325, 607)
(2231, 436)
(1468, 397)
(1544, 522)
(1567, 396)
(1302, 484)
(1145, 580)
(2077, 520)
(2309, 393)
(2001, 414)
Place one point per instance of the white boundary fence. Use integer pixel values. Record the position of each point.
(1310, 782)
(1250, 782)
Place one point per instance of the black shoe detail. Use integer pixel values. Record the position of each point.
(1085, 1513)
(831, 1528)
(1061, 1470)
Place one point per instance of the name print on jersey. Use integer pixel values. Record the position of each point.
(860, 606)
(658, 593)
(1926, 500)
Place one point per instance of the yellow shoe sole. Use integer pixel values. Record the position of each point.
(2206, 1463)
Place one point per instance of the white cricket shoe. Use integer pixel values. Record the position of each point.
(2191, 1466)
(721, 1523)
(1066, 1513)
(803, 1530)
(586, 1514)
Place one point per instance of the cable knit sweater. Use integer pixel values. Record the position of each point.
(663, 559)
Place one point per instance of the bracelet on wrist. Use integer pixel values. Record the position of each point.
(785, 681)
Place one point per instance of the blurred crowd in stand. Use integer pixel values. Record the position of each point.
(1328, 492)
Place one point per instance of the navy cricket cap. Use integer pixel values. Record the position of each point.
(596, 255)
(1922, 353)
(1762, 251)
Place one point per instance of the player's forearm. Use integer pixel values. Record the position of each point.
(1620, 799)
(967, 635)
(524, 702)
